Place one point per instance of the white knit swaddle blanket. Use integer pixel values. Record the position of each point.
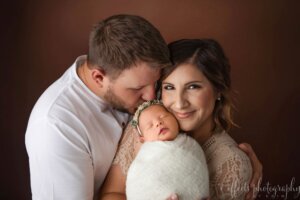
(164, 168)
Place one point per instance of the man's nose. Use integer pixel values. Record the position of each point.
(149, 93)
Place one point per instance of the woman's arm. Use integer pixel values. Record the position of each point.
(257, 170)
(113, 187)
(231, 177)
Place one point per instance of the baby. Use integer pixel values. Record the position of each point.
(168, 162)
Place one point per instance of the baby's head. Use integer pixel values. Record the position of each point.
(154, 122)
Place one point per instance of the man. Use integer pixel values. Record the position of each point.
(75, 126)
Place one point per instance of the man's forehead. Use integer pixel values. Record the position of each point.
(140, 75)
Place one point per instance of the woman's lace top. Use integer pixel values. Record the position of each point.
(128, 148)
(229, 168)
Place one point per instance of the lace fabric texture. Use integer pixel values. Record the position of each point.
(229, 168)
(128, 148)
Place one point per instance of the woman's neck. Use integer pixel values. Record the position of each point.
(203, 132)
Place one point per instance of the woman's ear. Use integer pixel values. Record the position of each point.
(219, 96)
(98, 76)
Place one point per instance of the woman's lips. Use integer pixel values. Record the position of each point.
(183, 115)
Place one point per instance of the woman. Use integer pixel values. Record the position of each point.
(196, 90)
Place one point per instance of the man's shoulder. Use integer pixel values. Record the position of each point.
(61, 103)
(55, 94)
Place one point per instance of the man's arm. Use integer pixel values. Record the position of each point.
(60, 165)
(257, 170)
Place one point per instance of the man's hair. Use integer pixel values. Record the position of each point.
(122, 41)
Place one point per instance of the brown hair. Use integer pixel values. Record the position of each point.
(209, 57)
(121, 41)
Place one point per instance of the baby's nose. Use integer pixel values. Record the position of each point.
(159, 122)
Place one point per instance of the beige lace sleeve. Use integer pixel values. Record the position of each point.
(231, 180)
(229, 168)
(128, 148)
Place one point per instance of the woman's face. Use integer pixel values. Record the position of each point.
(188, 94)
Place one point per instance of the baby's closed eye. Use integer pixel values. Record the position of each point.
(164, 115)
(149, 126)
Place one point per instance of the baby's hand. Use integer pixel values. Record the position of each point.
(173, 197)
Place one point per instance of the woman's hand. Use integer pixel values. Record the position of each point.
(114, 185)
(257, 170)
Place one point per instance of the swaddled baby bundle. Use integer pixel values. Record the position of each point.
(162, 168)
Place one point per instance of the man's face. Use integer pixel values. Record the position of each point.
(132, 87)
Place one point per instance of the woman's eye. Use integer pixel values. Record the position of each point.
(168, 87)
(194, 86)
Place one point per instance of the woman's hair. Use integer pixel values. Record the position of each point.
(121, 41)
(208, 56)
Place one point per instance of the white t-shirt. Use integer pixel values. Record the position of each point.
(71, 139)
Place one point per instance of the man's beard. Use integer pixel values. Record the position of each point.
(115, 101)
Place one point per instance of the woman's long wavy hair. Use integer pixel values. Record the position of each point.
(209, 57)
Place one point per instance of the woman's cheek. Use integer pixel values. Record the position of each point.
(166, 99)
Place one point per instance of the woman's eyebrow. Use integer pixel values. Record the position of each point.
(167, 83)
(191, 82)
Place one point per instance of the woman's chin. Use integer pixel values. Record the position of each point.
(186, 127)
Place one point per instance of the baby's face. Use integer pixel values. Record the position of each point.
(156, 123)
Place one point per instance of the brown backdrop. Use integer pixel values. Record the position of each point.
(39, 40)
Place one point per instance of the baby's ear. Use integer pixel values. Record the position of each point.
(141, 138)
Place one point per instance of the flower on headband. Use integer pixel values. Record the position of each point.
(143, 106)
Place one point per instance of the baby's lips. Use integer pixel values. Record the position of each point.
(162, 130)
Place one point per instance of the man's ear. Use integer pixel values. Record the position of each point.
(98, 75)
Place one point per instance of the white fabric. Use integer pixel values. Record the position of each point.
(229, 167)
(163, 168)
(71, 139)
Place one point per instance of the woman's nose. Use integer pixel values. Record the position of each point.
(180, 101)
